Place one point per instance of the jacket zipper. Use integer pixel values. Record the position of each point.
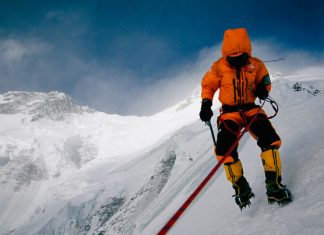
(234, 85)
(239, 88)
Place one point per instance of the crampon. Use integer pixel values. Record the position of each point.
(244, 200)
(283, 197)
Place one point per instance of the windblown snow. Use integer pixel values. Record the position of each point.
(66, 169)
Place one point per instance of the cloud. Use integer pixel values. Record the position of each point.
(18, 62)
(107, 90)
(66, 24)
(13, 50)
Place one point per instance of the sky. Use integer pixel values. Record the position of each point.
(138, 57)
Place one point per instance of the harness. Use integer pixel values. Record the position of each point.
(243, 108)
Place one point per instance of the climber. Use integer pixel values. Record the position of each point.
(240, 79)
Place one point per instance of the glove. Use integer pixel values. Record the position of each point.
(263, 88)
(261, 92)
(206, 113)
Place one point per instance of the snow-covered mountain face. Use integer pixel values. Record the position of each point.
(66, 169)
(54, 153)
(54, 105)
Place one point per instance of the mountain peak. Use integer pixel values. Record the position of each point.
(53, 105)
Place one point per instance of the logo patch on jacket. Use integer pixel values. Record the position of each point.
(250, 68)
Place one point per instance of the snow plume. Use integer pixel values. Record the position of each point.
(12, 50)
(32, 64)
(18, 63)
(174, 85)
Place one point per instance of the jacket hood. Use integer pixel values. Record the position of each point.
(236, 41)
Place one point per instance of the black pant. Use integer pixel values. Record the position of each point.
(261, 129)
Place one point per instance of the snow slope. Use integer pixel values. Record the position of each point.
(66, 169)
(300, 124)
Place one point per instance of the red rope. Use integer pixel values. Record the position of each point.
(192, 197)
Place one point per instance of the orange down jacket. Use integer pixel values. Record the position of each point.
(235, 87)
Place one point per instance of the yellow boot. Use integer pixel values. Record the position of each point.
(271, 161)
(233, 171)
(243, 192)
(276, 192)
